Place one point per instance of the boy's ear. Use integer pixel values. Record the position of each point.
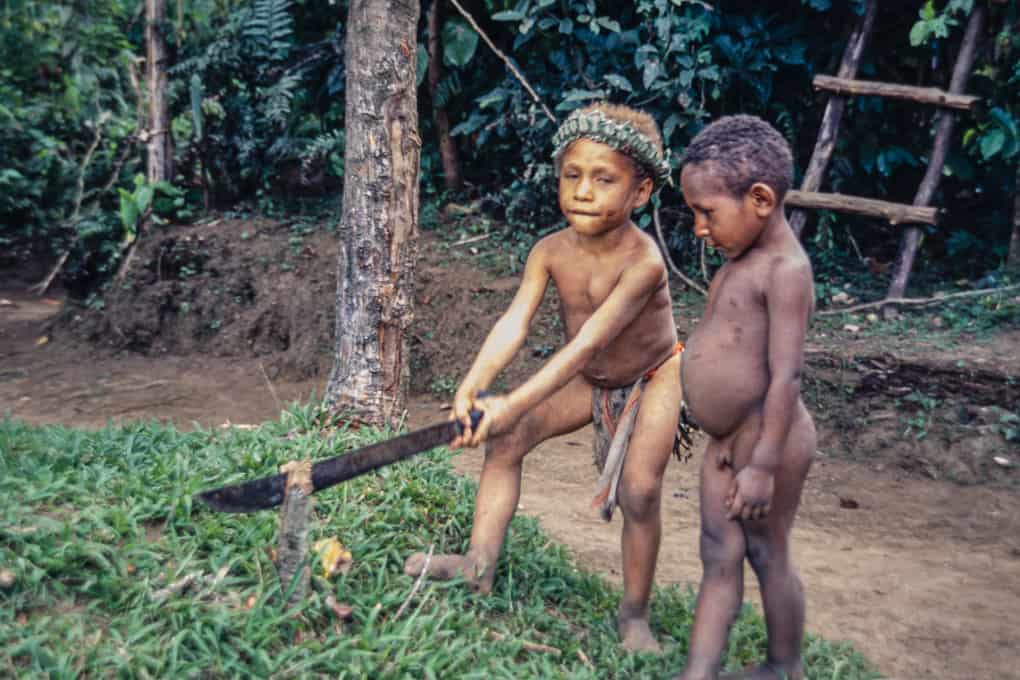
(644, 190)
(763, 199)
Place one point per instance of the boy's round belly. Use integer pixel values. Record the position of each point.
(722, 386)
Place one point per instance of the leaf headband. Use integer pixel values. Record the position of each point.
(622, 137)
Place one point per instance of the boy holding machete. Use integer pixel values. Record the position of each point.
(619, 368)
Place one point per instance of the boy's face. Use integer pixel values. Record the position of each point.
(599, 187)
(730, 225)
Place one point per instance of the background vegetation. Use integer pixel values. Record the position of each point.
(257, 89)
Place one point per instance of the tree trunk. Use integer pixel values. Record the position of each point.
(940, 147)
(833, 115)
(447, 147)
(160, 160)
(379, 227)
(1013, 259)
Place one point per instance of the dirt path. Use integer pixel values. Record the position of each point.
(923, 577)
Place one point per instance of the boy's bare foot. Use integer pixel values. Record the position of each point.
(446, 567)
(766, 672)
(636, 636)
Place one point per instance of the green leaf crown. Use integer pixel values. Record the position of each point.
(622, 137)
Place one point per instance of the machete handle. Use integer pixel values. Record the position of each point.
(475, 415)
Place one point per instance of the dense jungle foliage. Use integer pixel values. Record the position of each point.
(257, 105)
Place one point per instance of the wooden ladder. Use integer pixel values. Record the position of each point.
(844, 85)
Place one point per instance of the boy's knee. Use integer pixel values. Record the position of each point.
(721, 553)
(640, 499)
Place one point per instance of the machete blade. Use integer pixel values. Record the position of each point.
(268, 492)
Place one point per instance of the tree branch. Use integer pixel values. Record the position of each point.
(669, 260)
(936, 299)
(506, 60)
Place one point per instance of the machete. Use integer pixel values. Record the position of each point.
(260, 494)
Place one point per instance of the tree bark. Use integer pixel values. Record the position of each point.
(894, 213)
(920, 95)
(961, 72)
(833, 115)
(159, 166)
(379, 226)
(447, 147)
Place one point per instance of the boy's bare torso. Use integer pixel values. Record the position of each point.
(725, 366)
(584, 279)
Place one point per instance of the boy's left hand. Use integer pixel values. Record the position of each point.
(497, 416)
(750, 495)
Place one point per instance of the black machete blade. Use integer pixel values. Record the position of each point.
(268, 492)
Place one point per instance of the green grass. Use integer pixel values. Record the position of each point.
(93, 523)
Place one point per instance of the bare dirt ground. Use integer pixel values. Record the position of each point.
(923, 575)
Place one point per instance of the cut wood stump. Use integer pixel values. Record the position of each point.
(293, 541)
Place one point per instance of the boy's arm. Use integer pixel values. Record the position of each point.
(628, 298)
(789, 300)
(506, 337)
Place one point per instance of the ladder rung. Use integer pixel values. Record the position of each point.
(895, 213)
(922, 95)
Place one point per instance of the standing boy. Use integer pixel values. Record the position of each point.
(620, 365)
(741, 382)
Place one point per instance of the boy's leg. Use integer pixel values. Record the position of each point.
(640, 499)
(499, 487)
(722, 581)
(768, 551)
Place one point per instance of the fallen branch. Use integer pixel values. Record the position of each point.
(510, 65)
(936, 299)
(585, 660)
(417, 583)
(527, 644)
(669, 260)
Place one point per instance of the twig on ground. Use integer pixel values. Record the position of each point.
(669, 260)
(417, 583)
(934, 300)
(585, 660)
(272, 390)
(175, 588)
(527, 644)
(510, 64)
(473, 239)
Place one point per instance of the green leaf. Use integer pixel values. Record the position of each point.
(609, 24)
(195, 91)
(619, 82)
(128, 211)
(919, 33)
(459, 42)
(508, 15)
(992, 142)
(143, 197)
(422, 67)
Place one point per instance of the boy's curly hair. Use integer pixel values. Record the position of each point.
(641, 121)
(743, 150)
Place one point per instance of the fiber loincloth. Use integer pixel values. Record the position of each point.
(614, 413)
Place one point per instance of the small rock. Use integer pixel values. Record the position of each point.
(7, 578)
(1002, 461)
(872, 318)
(852, 328)
(840, 298)
(848, 503)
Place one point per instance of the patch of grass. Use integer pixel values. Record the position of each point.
(93, 523)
